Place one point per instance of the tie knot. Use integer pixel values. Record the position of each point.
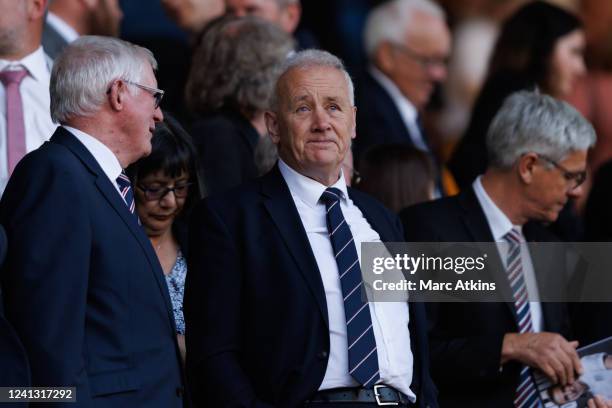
(513, 236)
(330, 195)
(8, 77)
(123, 180)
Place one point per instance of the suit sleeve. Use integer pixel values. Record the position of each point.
(213, 301)
(47, 271)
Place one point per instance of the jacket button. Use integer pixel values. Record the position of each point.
(323, 355)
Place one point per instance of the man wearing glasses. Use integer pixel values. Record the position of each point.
(407, 43)
(483, 354)
(82, 285)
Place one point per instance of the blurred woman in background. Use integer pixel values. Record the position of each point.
(229, 87)
(397, 175)
(166, 185)
(540, 46)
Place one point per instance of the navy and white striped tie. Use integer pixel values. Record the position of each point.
(125, 187)
(526, 393)
(363, 358)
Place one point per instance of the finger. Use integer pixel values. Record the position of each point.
(570, 350)
(591, 403)
(559, 369)
(549, 372)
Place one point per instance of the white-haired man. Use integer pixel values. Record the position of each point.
(25, 70)
(486, 354)
(82, 284)
(407, 43)
(284, 324)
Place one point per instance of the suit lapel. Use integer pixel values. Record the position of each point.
(477, 226)
(111, 195)
(284, 214)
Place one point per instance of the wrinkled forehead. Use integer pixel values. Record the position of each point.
(320, 82)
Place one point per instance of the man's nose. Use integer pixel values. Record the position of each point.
(320, 120)
(158, 115)
(438, 71)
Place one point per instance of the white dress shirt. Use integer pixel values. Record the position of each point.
(389, 319)
(36, 104)
(500, 225)
(63, 29)
(103, 155)
(407, 110)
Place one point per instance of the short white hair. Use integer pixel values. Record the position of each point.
(84, 71)
(533, 122)
(390, 21)
(310, 59)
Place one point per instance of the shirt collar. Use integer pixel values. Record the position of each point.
(499, 223)
(63, 29)
(35, 63)
(307, 189)
(103, 155)
(407, 109)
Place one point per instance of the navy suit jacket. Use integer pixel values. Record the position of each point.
(82, 285)
(466, 338)
(257, 321)
(378, 119)
(14, 368)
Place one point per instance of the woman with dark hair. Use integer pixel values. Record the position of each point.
(397, 175)
(230, 84)
(540, 47)
(166, 186)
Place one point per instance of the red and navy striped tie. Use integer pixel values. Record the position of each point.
(125, 188)
(526, 393)
(363, 358)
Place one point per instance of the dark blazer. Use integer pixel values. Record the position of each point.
(466, 338)
(255, 305)
(83, 286)
(226, 142)
(14, 367)
(52, 41)
(378, 119)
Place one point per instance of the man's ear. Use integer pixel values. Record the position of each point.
(527, 167)
(290, 17)
(272, 125)
(383, 57)
(116, 95)
(36, 9)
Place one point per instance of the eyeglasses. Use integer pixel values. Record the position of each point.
(424, 61)
(576, 178)
(158, 94)
(157, 193)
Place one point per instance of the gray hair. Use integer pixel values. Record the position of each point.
(390, 21)
(236, 65)
(534, 122)
(284, 3)
(311, 59)
(84, 71)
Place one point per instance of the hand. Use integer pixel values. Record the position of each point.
(599, 402)
(548, 352)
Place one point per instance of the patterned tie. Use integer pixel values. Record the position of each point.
(125, 187)
(363, 359)
(15, 127)
(526, 393)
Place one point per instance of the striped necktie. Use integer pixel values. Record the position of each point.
(125, 187)
(526, 393)
(363, 358)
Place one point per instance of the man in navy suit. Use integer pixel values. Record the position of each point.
(407, 43)
(271, 317)
(82, 285)
(483, 353)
